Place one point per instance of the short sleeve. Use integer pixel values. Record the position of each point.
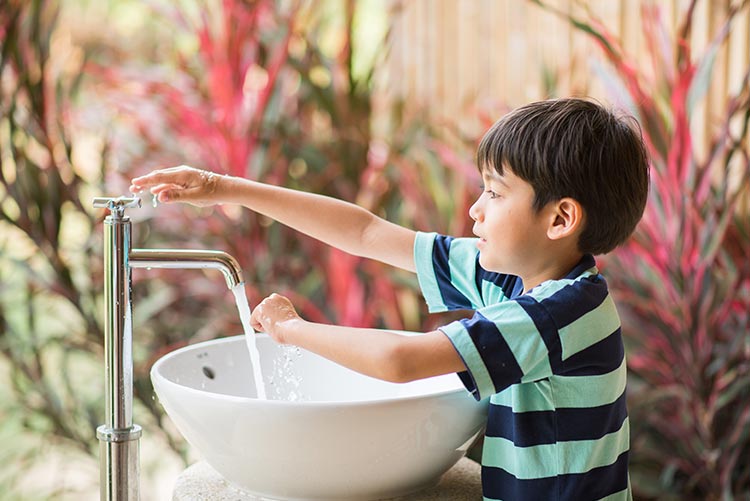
(447, 272)
(502, 345)
(451, 277)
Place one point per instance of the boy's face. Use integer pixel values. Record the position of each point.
(512, 234)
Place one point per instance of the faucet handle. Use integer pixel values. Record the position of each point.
(116, 205)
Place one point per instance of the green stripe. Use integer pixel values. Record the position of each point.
(492, 293)
(589, 391)
(589, 329)
(525, 342)
(423, 244)
(564, 391)
(462, 262)
(549, 288)
(523, 463)
(562, 458)
(526, 397)
(465, 346)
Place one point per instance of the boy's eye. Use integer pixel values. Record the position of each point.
(487, 190)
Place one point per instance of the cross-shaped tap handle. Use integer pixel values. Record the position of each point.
(116, 205)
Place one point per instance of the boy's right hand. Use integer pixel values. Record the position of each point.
(180, 184)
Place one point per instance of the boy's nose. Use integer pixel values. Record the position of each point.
(474, 211)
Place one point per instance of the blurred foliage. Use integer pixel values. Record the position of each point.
(282, 92)
(275, 91)
(683, 281)
(48, 302)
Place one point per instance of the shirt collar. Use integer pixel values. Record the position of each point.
(586, 263)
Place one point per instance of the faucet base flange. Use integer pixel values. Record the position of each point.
(106, 434)
(119, 458)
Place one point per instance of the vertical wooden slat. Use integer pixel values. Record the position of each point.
(698, 41)
(468, 63)
(717, 90)
(747, 65)
(417, 67)
(608, 13)
(430, 47)
(449, 52)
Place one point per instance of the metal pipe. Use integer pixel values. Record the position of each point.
(189, 259)
(119, 437)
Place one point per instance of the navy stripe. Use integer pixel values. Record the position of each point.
(586, 263)
(595, 484)
(469, 383)
(546, 328)
(575, 300)
(526, 429)
(508, 283)
(452, 298)
(591, 423)
(495, 352)
(499, 484)
(600, 358)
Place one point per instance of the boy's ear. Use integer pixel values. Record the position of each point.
(566, 218)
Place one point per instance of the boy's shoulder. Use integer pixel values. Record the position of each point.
(582, 285)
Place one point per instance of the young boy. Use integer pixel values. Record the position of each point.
(563, 180)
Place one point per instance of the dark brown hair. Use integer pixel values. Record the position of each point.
(576, 148)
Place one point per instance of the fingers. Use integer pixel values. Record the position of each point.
(255, 324)
(260, 319)
(255, 320)
(181, 175)
(182, 183)
(272, 311)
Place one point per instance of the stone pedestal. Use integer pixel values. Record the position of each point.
(201, 483)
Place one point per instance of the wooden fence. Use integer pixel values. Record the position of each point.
(454, 58)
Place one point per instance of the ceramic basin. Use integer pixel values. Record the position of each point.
(325, 433)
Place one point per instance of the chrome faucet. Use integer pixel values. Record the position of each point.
(119, 436)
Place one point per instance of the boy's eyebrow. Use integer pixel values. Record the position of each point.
(494, 176)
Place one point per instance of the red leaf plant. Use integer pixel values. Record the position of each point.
(251, 102)
(683, 280)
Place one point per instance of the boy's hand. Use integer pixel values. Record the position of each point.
(271, 315)
(180, 184)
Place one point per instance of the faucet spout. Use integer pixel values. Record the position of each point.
(188, 259)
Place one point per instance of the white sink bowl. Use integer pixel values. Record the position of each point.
(347, 436)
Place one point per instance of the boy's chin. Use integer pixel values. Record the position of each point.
(493, 267)
(485, 265)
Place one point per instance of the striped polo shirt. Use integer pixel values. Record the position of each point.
(552, 364)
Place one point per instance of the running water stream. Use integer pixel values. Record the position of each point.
(241, 299)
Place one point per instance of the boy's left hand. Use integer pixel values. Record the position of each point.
(270, 315)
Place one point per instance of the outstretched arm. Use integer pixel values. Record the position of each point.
(335, 222)
(376, 353)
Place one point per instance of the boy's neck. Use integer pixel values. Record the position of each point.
(554, 269)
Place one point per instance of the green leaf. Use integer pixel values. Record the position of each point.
(702, 79)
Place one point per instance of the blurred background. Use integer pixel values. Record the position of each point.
(382, 103)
